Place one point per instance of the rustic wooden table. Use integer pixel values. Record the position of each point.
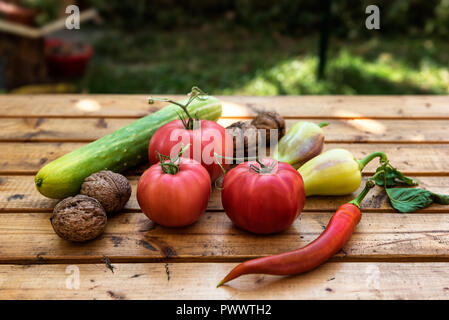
(390, 256)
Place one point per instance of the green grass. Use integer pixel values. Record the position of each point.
(237, 62)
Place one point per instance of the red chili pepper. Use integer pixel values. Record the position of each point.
(337, 233)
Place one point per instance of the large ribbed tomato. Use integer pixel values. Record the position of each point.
(174, 199)
(205, 139)
(263, 200)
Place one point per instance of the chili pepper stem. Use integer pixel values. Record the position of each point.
(369, 184)
(363, 162)
(323, 124)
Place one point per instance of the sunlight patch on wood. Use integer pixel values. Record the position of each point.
(88, 105)
(367, 125)
(232, 109)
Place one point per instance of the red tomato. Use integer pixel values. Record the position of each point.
(208, 138)
(263, 202)
(174, 200)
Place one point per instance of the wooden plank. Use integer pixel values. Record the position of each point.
(132, 237)
(18, 194)
(359, 130)
(192, 281)
(318, 107)
(377, 131)
(413, 159)
(28, 158)
(134, 106)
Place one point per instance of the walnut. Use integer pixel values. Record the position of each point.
(270, 120)
(244, 136)
(80, 218)
(111, 189)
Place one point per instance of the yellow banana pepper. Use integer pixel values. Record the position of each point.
(302, 142)
(335, 172)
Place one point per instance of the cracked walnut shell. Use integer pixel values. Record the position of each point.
(80, 218)
(270, 120)
(111, 189)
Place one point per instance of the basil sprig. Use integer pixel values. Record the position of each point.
(389, 176)
(411, 199)
(405, 200)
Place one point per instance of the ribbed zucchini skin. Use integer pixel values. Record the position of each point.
(118, 151)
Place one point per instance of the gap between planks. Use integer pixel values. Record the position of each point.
(365, 173)
(32, 260)
(440, 210)
(50, 116)
(65, 140)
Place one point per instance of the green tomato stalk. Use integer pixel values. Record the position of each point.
(196, 93)
(172, 166)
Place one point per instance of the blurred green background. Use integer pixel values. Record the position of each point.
(251, 47)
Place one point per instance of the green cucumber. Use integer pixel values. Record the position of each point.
(118, 151)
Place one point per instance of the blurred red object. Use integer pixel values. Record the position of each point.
(66, 59)
(15, 13)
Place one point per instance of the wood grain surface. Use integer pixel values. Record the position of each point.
(18, 194)
(317, 107)
(412, 159)
(390, 255)
(29, 237)
(338, 131)
(333, 280)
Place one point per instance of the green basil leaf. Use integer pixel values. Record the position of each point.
(409, 199)
(440, 198)
(400, 177)
(390, 176)
(380, 179)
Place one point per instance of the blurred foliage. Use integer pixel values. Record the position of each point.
(269, 47)
(48, 10)
(411, 17)
(239, 61)
(263, 47)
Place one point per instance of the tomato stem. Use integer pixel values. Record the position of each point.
(195, 93)
(172, 166)
(260, 163)
(263, 167)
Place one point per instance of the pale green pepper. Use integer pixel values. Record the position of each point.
(302, 142)
(335, 172)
